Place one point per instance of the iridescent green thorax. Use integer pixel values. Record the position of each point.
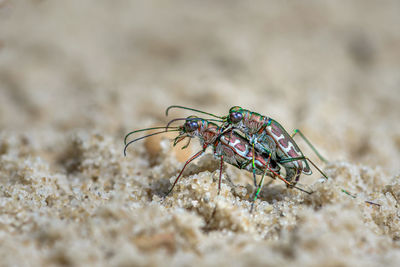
(235, 109)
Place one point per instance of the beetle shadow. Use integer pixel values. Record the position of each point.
(159, 187)
(273, 193)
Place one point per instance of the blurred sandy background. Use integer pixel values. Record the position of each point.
(75, 76)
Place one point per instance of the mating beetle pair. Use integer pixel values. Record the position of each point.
(267, 136)
(246, 140)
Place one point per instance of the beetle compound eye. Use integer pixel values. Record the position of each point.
(191, 126)
(236, 117)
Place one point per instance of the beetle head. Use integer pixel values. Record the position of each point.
(190, 129)
(235, 115)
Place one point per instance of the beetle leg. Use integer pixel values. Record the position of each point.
(280, 177)
(254, 167)
(287, 182)
(304, 158)
(366, 201)
(325, 176)
(309, 144)
(260, 185)
(220, 174)
(198, 154)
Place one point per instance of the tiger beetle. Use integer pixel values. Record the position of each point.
(265, 135)
(228, 146)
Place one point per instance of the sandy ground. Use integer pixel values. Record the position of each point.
(76, 76)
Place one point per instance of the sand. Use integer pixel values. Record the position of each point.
(76, 76)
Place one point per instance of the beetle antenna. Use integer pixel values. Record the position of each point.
(142, 130)
(192, 109)
(140, 138)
